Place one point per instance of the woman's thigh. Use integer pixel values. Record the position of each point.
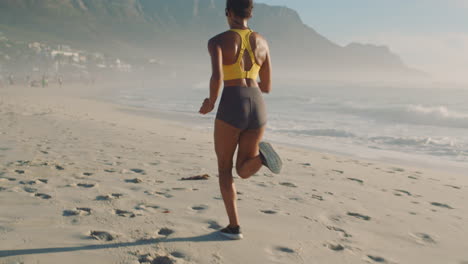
(226, 138)
(248, 145)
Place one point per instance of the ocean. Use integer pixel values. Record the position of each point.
(417, 126)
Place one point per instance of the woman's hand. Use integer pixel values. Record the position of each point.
(206, 107)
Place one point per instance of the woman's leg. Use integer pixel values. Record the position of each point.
(248, 156)
(226, 138)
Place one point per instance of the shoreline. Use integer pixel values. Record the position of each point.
(383, 156)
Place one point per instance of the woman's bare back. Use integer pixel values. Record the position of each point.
(230, 43)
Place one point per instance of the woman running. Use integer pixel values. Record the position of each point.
(239, 56)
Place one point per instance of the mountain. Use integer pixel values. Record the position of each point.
(177, 31)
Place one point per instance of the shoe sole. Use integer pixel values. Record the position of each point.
(272, 159)
(233, 236)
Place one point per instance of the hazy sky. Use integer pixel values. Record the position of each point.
(431, 35)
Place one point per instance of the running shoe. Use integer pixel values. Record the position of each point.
(270, 158)
(233, 233)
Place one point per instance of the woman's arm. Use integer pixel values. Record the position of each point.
(265, 73)
(216, 80)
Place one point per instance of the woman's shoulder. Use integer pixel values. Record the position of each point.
(218, 38)
(259, 36)
(223, 34)
(257, 40)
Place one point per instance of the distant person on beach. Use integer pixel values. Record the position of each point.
(239, 56)
(60, 81)
(44, 81)
(11, 80)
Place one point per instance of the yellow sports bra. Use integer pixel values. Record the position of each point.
(236, 71)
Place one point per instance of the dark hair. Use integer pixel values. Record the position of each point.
(241, 8)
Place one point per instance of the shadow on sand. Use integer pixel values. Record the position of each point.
(214, 236)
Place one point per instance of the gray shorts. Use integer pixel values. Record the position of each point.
(242, 107)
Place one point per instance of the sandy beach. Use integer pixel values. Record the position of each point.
(86, 181)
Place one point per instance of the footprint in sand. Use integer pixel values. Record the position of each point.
(402, 191)
(356, 180)
(149, 258)
(179, 189)
(214, 225)
(102, 235)
(28, 182)
(145, 207)
(165, 231)
(339, 230)
(179, 255)
(199, 207)
(58, 167)
(43, 196)
(164, 194)
(285, 249)
(136, 180)
(334, 246)
(19, 163)
(109, 197)
(19, 171)
(441, 205)
(281, 254)
(296, 198)
(30, 190)
(359, 216)
(377, 259)
(77, 211)
(269, 212)
(7, 179)
(288, 184)
(124, 213)
(144, 258)
(453, 186)
(86, 185)
(338, 171)
(317, 197)
(139, 171)
(423, 238)
(87, 173)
